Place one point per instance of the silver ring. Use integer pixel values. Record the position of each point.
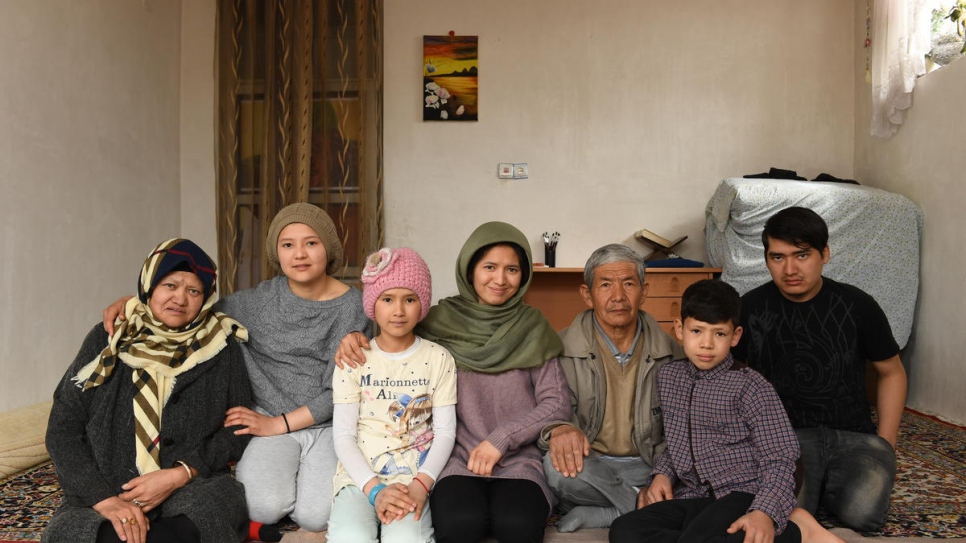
(138, 503)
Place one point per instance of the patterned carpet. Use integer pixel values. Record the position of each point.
(929, 499)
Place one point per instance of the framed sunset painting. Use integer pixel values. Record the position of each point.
(450, 78)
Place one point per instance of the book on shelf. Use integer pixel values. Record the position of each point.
(657, 241)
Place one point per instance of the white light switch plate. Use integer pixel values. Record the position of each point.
(505, 170)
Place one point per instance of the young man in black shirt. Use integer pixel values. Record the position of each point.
(812, 338)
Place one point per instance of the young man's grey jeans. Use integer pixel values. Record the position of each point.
(603, 482)
(849, 473)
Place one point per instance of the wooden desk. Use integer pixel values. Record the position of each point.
(556, 292)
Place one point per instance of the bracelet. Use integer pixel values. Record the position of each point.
(372, 493)
(288, 429)
(422, 484)
(186, 468)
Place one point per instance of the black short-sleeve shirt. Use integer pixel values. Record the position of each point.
(815, 352)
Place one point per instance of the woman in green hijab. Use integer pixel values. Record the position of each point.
(509, 387)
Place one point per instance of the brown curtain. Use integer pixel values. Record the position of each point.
(299, 120)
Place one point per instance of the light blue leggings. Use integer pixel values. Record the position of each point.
(355, 521)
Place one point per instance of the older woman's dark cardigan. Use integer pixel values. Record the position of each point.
(90, 438)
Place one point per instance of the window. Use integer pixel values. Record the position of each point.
(947, 44)
(299, 119)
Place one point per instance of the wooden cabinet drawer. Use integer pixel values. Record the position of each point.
(669, 328)
(671, 284)
(555, 292)
(663, 309)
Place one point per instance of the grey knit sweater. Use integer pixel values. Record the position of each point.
(291, 345)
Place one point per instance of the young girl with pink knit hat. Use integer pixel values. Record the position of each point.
(394, 419)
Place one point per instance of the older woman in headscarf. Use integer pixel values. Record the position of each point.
(509, 386)
(137, 430)
(296, 320)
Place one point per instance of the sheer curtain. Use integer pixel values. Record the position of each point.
(900, 41)
(299, 120)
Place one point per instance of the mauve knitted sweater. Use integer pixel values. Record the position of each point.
(508, 409)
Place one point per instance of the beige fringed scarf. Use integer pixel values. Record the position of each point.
(156, 353)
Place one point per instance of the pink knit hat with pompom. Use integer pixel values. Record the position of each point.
(396, 268)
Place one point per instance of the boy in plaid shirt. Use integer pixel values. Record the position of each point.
(728, 471)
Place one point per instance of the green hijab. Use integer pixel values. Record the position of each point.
(488, 338)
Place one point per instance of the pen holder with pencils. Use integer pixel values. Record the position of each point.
(550, 249)
(550, 256)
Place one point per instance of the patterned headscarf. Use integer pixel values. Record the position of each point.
(156, 353)
(491, 338)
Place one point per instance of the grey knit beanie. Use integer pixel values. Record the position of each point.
(317, 220)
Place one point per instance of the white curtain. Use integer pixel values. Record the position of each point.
(900, 40)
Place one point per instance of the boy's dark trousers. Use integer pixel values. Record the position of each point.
(692, 520)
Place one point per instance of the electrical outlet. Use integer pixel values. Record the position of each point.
(521, 171)
(505, 170)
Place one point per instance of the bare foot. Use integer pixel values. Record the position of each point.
(812, 531)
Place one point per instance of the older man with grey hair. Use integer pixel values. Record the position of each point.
(612, 352)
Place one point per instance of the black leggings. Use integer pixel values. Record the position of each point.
(694, 520)
(467, 509)
(177, 529)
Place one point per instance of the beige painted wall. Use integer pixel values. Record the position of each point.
(628, 113)
(89, 106)
(925, 161)
(198, 124)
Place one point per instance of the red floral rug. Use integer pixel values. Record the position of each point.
(929, 498)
